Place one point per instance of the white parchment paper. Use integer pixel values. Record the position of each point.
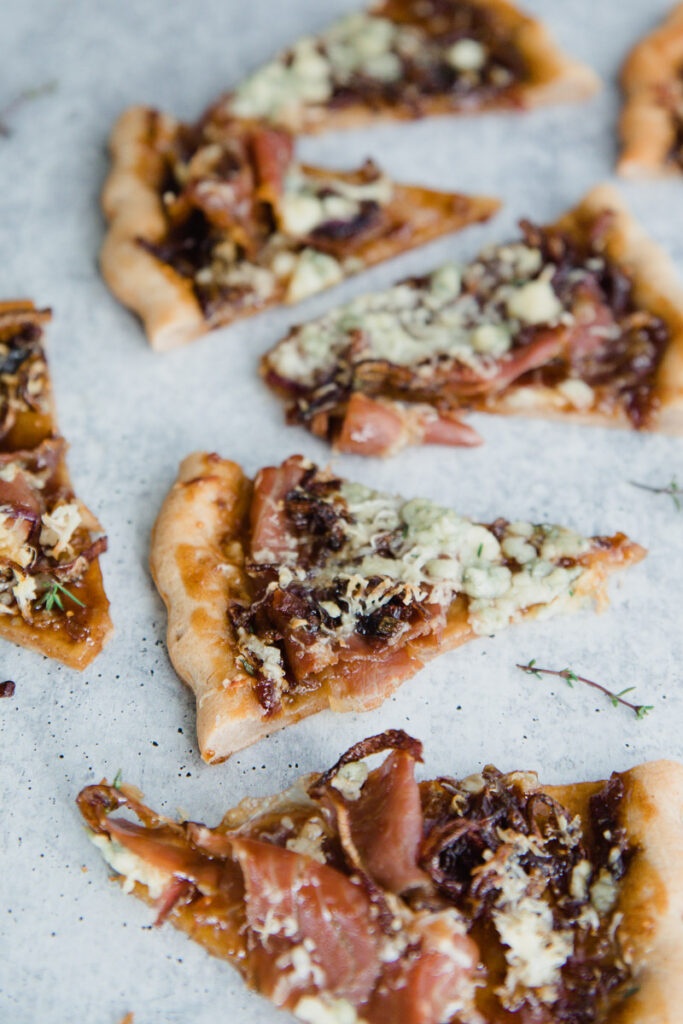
(72, 946)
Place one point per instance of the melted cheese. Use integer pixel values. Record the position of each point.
(326, 1010)
(535, 951)
(309, 71)
(13, 546)
(313, 272)
(604, 892)
(309, 840)
(423, 325)
(309, 202)
(24, 591)
(58, 528)
(131, 867)
(466, 55)
(350, 779)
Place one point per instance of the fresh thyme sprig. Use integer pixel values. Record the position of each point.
(25, 96)
(570, 677)
(673, 489)
(54, 597)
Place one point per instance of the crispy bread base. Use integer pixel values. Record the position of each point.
(651, 897)
(164, 300)
(646, 126)
(553, 78)
(651, 900)
(655, 288)
(197, 562)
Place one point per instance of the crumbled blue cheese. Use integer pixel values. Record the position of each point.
(58, 527)
(561, 542)
(579, 394)
(466, 55)
(314, 271)
(298, 968)
(324, 1009)
(13, 535)
(535, 951)
(24, 591)
(309, 840)
(581, 875)
(309, 202)
(350, 779)
(131, 867)
(434, 322)
(268, 657)
(535, 303)
(604, 892)
(308, 73)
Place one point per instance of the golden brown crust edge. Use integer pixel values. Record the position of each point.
(164, 301)
(645, 126)
(651, 900)
(556, 78)
(655, 287)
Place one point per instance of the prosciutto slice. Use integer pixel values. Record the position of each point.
(374, 426)
(294, 898)
(332, 923)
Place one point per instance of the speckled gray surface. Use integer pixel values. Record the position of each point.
(72, 946)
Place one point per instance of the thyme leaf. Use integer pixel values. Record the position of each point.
(673, 489)
(247, 666)
(25, 96)
(53, 596)
(570, 677)
(118, 778)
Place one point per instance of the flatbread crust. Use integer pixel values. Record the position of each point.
(166, 301)
(646, 125)
(651, 898)
(656, 288)
(197, 562)
(553, 78)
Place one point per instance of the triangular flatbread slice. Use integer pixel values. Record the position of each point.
(361, 895)
(580, 320)
(214, 223)
(304, 591)
(51, 593)
(405, 59)
(651, 125)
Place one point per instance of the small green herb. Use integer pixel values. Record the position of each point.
(26, 96)
(479, 550)
(674, 490)
(570, 677)
(247, 666)
(53, 597)
(118, 778)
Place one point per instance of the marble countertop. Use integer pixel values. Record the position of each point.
(72, 946)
